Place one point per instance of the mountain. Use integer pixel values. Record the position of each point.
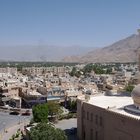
(40, 53)
(125, 50)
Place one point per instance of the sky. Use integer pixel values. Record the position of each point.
(88, 23)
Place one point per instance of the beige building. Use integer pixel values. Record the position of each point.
(9, 95)
(105, 118)
(44, 70)
(9, 70)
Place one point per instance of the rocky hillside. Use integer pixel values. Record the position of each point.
(125, 50)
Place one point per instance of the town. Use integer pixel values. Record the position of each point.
(21, 90)
(69, 70)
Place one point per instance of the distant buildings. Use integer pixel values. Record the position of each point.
(38, 84)
(44, 70)
(8, 70)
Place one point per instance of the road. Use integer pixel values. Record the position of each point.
(8, 121)
(67, 125)
(10, 131)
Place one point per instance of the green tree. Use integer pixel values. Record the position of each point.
(40, 113)
(54, 108)
(44, 131)
(72, 105)
(129, 88)
(78, 74)
(73, 72)
(88, 68)
(109, 71)
(98, 69)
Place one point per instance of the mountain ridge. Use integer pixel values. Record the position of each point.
(124, 50)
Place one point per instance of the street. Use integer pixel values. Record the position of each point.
(67, 125)
(8, 122)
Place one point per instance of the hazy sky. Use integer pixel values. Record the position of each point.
(92, 23)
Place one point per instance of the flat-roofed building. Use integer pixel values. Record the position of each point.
(10, 96)
(44, 70)
(105, 118)
(9, 70)
(32, 97)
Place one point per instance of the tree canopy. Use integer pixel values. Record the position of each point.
(129, 88)
(98, 69)
(72, 105)
(40, 113)
(54, 108)
(73, 72)
(44, 131)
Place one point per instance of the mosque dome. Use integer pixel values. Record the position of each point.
(136, 96)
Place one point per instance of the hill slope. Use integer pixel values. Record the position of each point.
(124, 50)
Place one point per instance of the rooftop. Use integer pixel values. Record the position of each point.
(34, 93)
(113, 103)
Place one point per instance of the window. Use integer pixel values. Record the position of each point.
(84, 134)
(91, 117)
(83, 114)
(96, 119)
(91, 134)
(87, 115)
(101, 121)
(96, 135)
